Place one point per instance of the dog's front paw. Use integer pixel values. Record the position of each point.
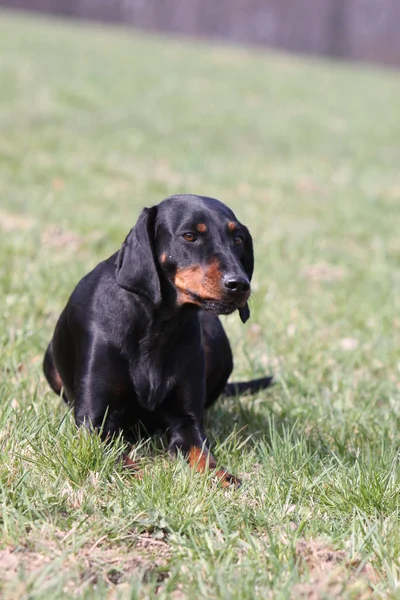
(227, 480)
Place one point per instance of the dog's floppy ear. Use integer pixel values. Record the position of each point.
(136, 267)
(247, 261)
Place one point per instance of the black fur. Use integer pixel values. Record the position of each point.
(139, 345)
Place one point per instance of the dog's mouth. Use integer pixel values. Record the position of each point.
(216, 306)
(211, 289)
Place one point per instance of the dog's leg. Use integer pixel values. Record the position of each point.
(202, 460)
(93, 410)
(97, 405)
(187, 437)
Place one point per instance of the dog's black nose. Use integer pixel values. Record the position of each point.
(237, 285)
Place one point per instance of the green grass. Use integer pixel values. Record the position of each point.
(96, 123)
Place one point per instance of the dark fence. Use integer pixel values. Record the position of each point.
(348, 29)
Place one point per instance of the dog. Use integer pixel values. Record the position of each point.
(139, 347)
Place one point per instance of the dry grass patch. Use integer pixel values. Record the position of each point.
(332, 573)
(323, 272)
(13, 222)
(90, 565)
(58, 238)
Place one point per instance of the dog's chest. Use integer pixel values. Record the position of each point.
(161, 357)
(156, 370)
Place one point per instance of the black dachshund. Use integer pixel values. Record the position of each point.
(139, 347)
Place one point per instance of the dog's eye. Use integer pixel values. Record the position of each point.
(189, 237)
(237, 240)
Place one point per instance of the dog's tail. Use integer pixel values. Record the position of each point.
(247, 387)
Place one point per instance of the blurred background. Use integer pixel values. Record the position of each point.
(365, 30)
(98, 120)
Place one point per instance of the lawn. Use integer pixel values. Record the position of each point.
(96, 123)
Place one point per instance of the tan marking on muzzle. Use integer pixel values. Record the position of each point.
(202, 282)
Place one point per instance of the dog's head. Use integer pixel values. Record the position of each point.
(198, 246)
